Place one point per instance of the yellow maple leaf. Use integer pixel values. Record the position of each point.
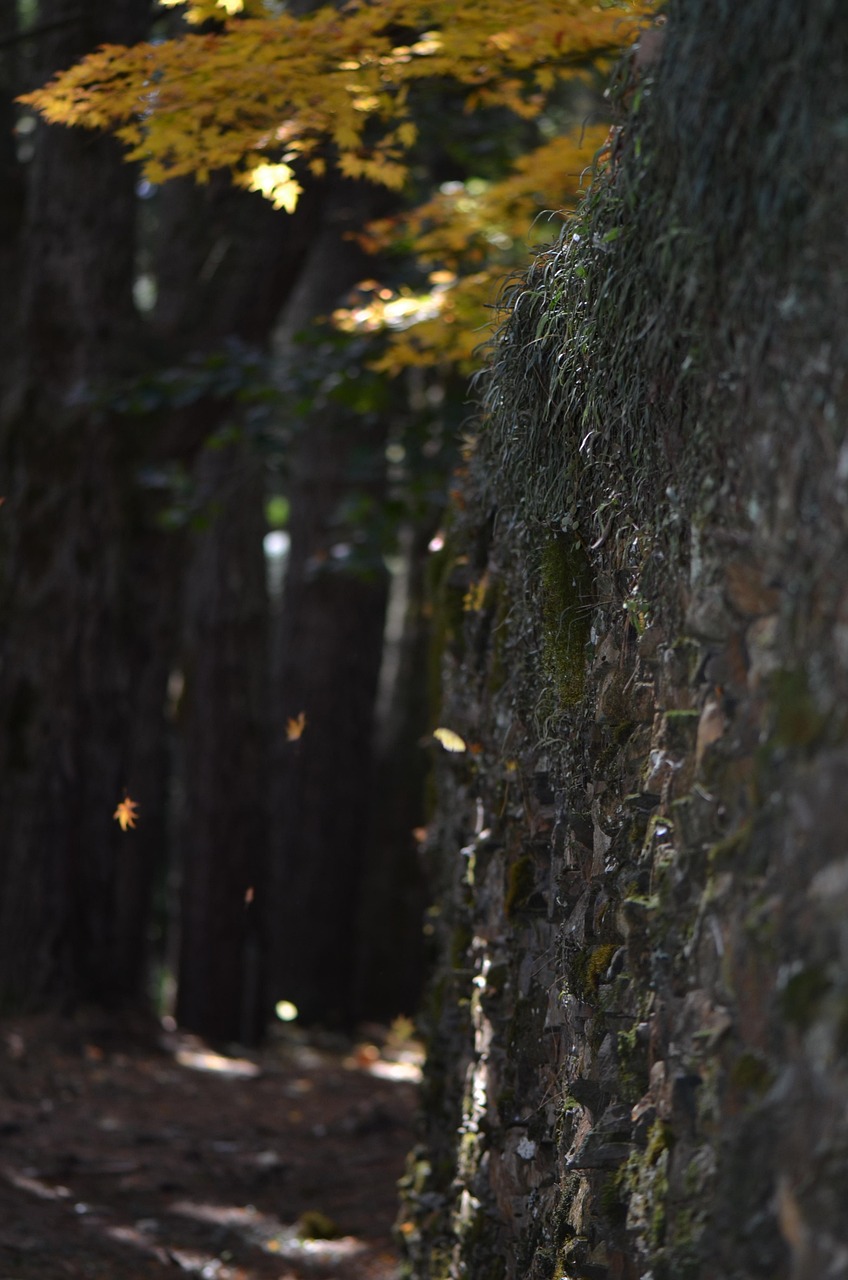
(295, 726)
(277, 183)
(450, 741)
(126, 813)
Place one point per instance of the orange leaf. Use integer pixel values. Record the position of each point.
(295, 726)
(126, 813)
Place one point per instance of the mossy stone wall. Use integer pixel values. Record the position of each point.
(639, 1033)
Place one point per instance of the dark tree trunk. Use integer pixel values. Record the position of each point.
(11, 189)
(225, 281)
(332, 632)
(225, 835)
(390, 948)
(74, 885)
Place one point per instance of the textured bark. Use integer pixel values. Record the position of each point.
(225, 263)
(330, 651)
(391, 952)
(225, 772)
(72, 661)
(12, 187)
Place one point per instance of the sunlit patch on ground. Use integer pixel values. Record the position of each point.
(268, 1233)
(35, 1186)
(205, 1060)
(143, 1158)
(401, 1071)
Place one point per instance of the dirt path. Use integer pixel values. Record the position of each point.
(130, 1156)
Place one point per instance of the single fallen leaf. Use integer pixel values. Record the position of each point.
(450, 741)
(126, 813)
(295, 726)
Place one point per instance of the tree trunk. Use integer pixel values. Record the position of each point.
(225, 263)
(12, 186)
(225, 820)
(72, 663)
(390, 951)
(331, 643)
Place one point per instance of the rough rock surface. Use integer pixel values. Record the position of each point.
(638, 1031)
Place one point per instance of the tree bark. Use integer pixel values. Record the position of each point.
(225, 820)
(391, 954)
(225, 263)
(72, 658)
(333, 616)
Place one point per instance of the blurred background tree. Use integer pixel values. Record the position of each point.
(226, 436)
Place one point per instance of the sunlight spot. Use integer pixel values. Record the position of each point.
(199, 1264)
(145, 292)
(409, 1072)
(238, 1068)
(276, 543)
(34, 1185)
(271, 1235)
(285, 1010)
(405, 1068)
(224, 1215)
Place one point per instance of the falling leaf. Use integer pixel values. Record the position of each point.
(450, 741)
(295, 726)
(126, 813)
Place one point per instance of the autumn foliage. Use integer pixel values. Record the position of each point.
(279, 99)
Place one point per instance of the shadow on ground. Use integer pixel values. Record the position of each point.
(131, 1154)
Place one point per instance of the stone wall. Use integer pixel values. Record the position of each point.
(639, 1026)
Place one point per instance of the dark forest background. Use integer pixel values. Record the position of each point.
(215, 521)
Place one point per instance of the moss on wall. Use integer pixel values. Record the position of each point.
(566, 605)
(656, 816)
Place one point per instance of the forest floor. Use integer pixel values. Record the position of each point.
(131, 1153)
